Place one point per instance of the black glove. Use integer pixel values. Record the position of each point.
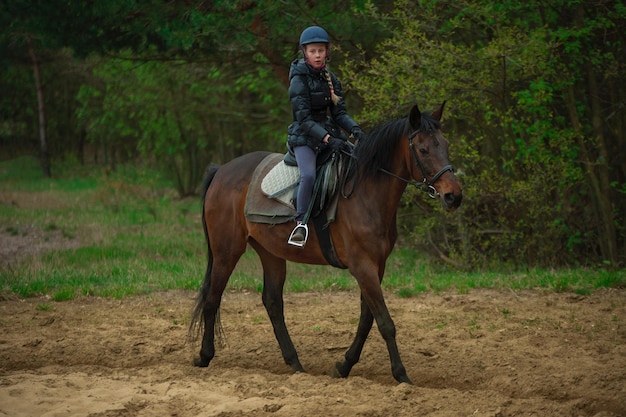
(338, 145)
(357, 134)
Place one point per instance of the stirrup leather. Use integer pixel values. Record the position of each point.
(306, 235)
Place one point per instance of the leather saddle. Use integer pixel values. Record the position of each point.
(274, 185)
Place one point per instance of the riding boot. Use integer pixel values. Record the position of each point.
(299, 235)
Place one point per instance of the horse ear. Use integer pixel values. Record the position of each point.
(439, 112)
(415, 118)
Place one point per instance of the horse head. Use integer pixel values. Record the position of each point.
(429, 158)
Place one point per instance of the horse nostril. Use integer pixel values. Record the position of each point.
(452, 200)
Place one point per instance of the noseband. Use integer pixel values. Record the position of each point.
(426, 185)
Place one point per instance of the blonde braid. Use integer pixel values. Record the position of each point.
(334, 97)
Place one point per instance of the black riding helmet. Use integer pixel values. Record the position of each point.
(314, 34)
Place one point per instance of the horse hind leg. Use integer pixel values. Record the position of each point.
(274, 274)
(206, 313)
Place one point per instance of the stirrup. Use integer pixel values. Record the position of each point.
(299, 243)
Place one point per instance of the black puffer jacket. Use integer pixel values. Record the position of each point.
(310, 101)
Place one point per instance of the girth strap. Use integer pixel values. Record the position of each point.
(326, 243)
(319, 216)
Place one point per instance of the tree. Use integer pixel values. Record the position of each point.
(247, 42)
(521, 77)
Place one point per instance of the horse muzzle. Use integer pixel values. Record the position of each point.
(451, 201)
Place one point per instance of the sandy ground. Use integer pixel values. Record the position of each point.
(485, 353)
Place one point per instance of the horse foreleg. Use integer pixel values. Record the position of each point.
(342, 369)
(373, 296)
(388, 331)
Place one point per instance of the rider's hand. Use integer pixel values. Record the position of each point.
(338, 144)
(357, 134)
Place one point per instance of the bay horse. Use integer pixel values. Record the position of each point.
(410, 150)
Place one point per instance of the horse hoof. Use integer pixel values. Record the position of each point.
(335, 372)
(200, 363)
(405, 379)
(298, 370)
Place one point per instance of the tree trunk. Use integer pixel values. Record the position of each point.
(599, 195)
(44, 158)
(617, 130)
(609, 235)
(261, 32)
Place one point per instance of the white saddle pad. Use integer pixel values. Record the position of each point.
(280, 183)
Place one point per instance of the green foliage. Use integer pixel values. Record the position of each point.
(179, 115)
(506, 70)
(22, 168)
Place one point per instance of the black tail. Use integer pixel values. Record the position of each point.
(197, 318)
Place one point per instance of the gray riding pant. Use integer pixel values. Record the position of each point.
(306, 159)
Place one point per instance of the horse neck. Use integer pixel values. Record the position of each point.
(381, 193)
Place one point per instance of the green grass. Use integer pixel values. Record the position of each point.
(126, 233)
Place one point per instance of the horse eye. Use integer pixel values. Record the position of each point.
(423, 151)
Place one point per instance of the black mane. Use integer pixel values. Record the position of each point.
(376, 150)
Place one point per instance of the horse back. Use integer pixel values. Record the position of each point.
(232, 179)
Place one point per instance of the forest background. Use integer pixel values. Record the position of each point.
(535, 103)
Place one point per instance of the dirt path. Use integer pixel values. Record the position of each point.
(484, 353)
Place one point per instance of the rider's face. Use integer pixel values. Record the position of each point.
(315, 54)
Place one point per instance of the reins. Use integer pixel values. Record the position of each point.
(426, 186)
(346, 175)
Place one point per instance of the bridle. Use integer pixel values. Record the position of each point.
(426, 185)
